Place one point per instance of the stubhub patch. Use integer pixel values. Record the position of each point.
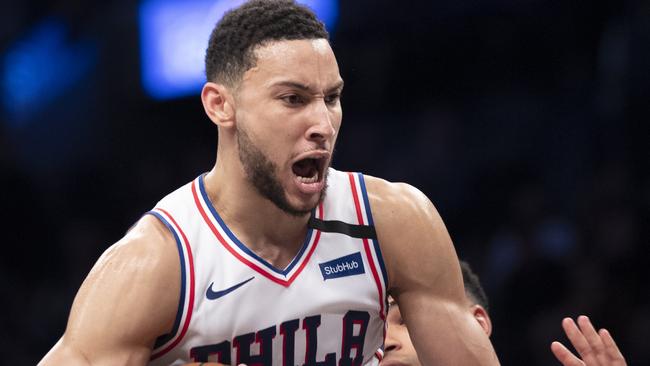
(349, 265)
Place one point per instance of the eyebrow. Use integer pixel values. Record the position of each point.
(306, 88)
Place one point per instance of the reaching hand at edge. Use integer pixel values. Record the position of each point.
(594, 348)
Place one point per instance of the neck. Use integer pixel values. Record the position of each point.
(255, 220)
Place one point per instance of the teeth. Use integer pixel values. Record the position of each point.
(308, 180)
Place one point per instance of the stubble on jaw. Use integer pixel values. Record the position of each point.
(262, 173)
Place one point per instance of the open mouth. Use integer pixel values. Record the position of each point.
(309, 170)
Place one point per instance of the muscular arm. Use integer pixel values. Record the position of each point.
(424, 277)
(129, 298)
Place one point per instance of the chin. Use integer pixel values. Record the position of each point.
(305, 207)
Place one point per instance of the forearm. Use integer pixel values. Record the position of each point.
(456, 342)
(68, 354)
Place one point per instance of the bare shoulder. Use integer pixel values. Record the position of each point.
(141, 272)
(391, 198)
(147, 253)
(413, 238)
(147, 248)
(129, 298)
(399, 207)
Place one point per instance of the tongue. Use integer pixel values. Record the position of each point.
(304, 168)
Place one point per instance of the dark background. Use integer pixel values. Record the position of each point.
(523, 121)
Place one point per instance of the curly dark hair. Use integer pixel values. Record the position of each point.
(473, 287)
(234, 39)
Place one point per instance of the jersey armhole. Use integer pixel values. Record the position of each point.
(167, 342)
(371, 245)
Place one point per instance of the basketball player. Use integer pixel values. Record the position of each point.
(273, 257)
(594, 348)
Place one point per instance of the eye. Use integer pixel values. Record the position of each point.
(293, 99)
(332, 99)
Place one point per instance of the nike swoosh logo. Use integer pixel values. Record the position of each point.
(213, 295)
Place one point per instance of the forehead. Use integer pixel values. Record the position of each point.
(309, 62)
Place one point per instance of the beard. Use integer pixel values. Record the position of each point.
(262, 174)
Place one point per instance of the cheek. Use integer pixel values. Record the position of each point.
(404, 336)
(400, 334)
(281, 144)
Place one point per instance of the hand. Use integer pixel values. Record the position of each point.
(595, 348)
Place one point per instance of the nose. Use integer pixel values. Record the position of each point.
(321, 127)
(392, 344)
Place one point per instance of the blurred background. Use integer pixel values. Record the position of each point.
(523, 121)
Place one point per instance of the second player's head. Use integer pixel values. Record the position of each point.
(399, 349)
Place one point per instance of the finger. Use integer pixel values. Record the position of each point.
(593, 338)
(565, 356)
(611, 348)
(579, 341)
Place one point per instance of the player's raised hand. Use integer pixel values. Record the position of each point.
(594, 348)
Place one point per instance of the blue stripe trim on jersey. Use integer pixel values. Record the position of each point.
(375, 242)
(160, 341)
(364, 194)
(243, 247)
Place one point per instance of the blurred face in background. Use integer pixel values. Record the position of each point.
(399, 349)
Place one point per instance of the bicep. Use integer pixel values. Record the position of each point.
(418, 251)
(129, 298)
(426, 281)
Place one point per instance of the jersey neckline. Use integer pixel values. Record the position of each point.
(243, 252)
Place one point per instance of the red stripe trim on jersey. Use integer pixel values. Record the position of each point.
(379, 355)
(190, 305)
(313, 247)
(241, 258)
(366, 247)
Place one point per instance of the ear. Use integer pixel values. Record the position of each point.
(482, 317)
(218, 103)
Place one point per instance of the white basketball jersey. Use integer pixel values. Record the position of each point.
(326, 308)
